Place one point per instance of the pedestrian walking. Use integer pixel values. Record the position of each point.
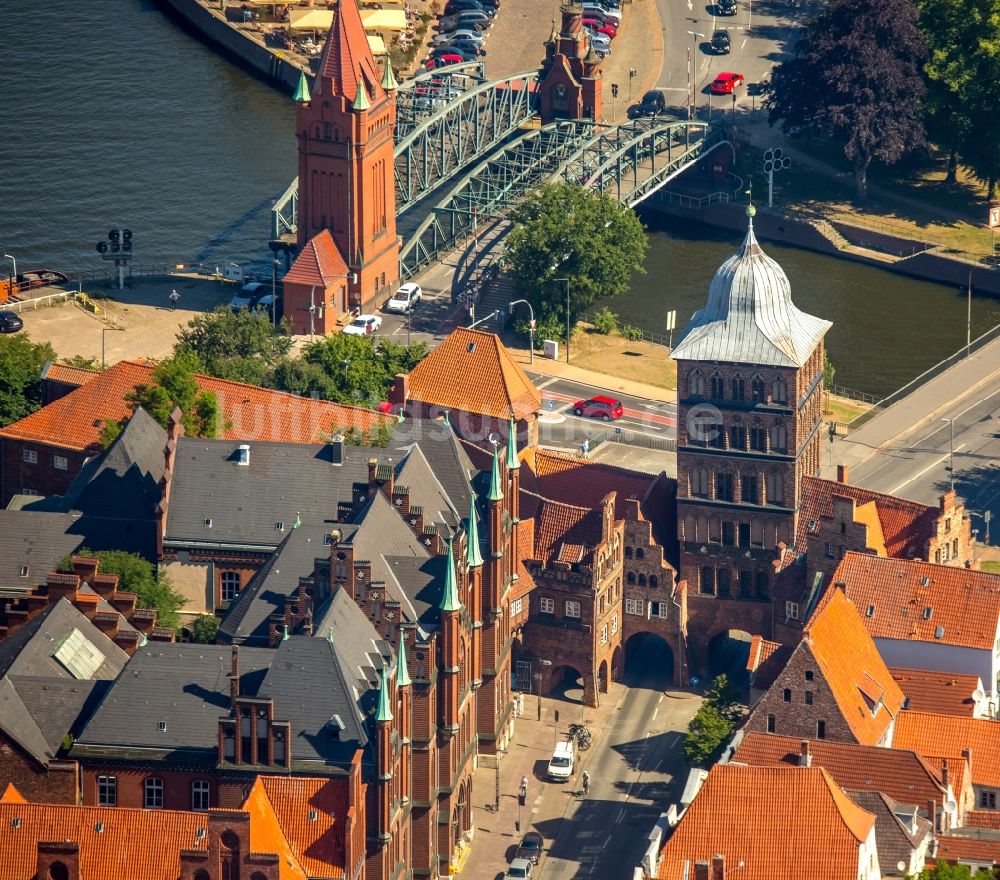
(586, 783)
(585, 447)
(174, 297)
(522, 792)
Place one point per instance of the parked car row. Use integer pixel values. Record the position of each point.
(462, 32)
(602, 19)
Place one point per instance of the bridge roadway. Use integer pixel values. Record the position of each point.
(482, 135)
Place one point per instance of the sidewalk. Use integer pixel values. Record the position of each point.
(950, 387)
(528, 755)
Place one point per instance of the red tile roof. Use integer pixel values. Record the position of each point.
(951, 849)
(317, 843)
(320, 261)
(472, 371)
(558, 524)
(983, 819)
(852, 667)
(769, 822)
(900, 773)
(906, 525)
(949, 693)
(252, 413)
(964, 604)
(67, 375)
(932, 735)
(766, 661)
(347, 55)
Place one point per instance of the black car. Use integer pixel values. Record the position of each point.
(727, 7)
(530, 847)
(466, 46)
(459, 6)
(10, 322)
(720, 42)
(465, 54)
(652, 103)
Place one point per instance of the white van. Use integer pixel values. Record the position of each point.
(562, 761)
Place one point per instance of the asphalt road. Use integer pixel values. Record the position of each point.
(637, 770)
(915, 465)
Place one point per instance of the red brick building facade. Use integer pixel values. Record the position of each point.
(570, 85)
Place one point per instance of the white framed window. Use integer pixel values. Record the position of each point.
(152, 793)
(60, 462)
(547, 606)
(660, 609)
(29, 491)
(107, 791)
(515, 606)
(634, 606)
(572, 608)
(614, 624)
(199, 795)
(791, 611)
(230, 582)
(29, 456)
(604, 634)
(987, 800)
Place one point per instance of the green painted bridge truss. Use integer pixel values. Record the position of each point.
(631, 161)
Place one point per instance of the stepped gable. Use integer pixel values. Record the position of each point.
(472, 371)
(919, 601)
(347, 56)
(750, 317)
(320, 262)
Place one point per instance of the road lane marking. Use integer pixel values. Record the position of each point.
(659, 700)
(546, 384)
(655, 711)
(743, 45)
(621, 815)
(933, 464)
(958, 416)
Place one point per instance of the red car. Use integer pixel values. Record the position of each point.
(606, 408)
(600, 27)
(726, 83)
(444, 61)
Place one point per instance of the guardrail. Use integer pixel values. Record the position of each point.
(925, 377)
(694, 203)
(25, 305)
(851, 394)
(632, 438)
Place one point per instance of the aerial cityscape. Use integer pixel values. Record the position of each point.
(471, 438)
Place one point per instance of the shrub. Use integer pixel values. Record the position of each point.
(605, 321)
(631, 332)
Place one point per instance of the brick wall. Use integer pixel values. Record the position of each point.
(40, 476)
(176, 785)
(56, 784)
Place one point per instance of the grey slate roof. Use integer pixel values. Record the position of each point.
(36, 540)
(380, 531)
(282, 482)
(421, 583)
(427, 491)
(750, 317)
(29, 649)
(246, 621)
(450, 463)
(186, 685)
(893, 840)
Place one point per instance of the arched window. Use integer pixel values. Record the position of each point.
(748, 488)
(699, 482)
(762, 585)
(739, 387)
(738, 436)
(202, 875)
(57, 871)
(152, 793)
(630, 578)
(724, 581)
(775, 488)
(327, 131)
(640, 553)
(696, 384)
(642, 580)
(758, 437)
(728, 533)
(779, 390)
(628, 552)
(718, 387)
(724, 486)
(779, 438)
(715, 433)
(654, 581)
(757, 392)
(707, 585)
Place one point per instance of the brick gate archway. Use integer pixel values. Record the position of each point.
(649, 661)
(727, 653)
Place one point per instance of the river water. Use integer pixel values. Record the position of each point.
(115, 116)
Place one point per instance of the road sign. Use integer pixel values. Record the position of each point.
(994, 216)
(672, 325)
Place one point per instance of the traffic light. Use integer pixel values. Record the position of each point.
(126, 239)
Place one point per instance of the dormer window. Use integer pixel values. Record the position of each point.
(928, 613)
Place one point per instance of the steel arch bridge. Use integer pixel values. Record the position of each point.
(631, 161)
(445, 121)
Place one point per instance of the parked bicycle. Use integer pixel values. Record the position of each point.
(580, 735)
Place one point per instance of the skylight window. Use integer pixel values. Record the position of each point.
(78, 656)
(928, 613)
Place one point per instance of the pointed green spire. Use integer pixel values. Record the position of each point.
(329, 635)
(302, 95)
(447, 419)
(449, 601)
(512, 462)
(143, 641)
(402, 673)
(496, 493)
(298, 520)
(384, 713)
(361, 101)
(284, 635)
(388, 80)
(472, 555)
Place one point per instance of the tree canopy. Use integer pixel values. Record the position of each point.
(855, 78)
(564, 231)
(241, 346)
(21, 362)
(706, 735)
(174, 386)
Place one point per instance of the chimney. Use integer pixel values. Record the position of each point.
(944, 772)
(701, 871)
(932, 814)
(243, 454)
(372, 471)
(234, 674)
(718, 867)
(967, 754)
(337, 449)
(842, 473)
(805, 756)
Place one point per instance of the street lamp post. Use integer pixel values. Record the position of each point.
(566, 280)
(951, 452)
(695, 36)
(496, 802)
(632, 74)
(538, 681)
(531, 328)
(13, 278)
